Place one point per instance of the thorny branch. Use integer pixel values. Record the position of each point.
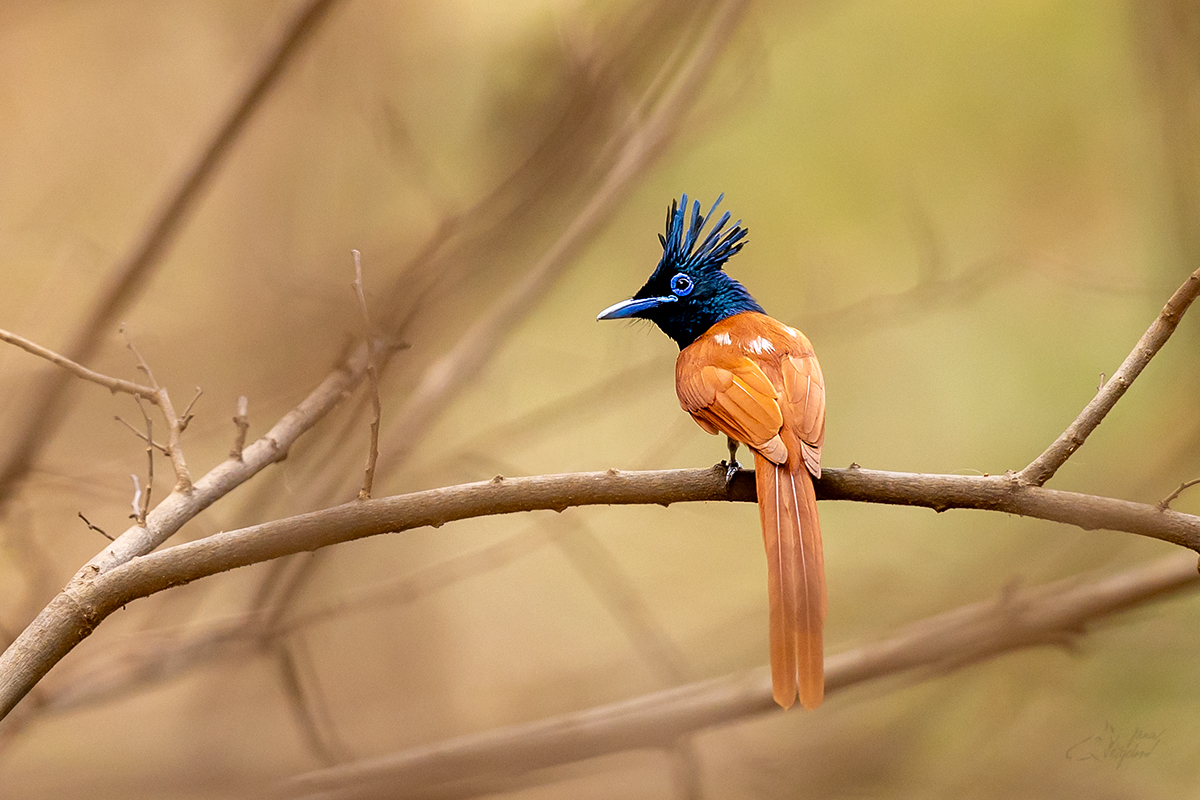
(74, 613)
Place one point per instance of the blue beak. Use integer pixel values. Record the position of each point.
(630, 308)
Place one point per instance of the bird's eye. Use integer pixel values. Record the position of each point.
(682, 285)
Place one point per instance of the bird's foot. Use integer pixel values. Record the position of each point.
(732, 467)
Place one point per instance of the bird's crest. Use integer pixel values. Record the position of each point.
(680, 248)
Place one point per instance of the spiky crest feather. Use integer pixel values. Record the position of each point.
(680, 252)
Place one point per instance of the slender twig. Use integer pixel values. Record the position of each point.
(1044, 466)
(1165, 503)
(150, 246)
(478, 763)
(112, 384)
(242, 421)
(143, 502)
(162, 448)
(92, 527)
(142, 365)
(372, 379)
(174, 448)
(187, 412)
(137, 501)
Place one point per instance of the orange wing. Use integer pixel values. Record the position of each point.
(758, 381)
(727, 392)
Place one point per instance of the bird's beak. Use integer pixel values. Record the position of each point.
(631, 308)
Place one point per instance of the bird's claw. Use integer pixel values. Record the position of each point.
(732, 468)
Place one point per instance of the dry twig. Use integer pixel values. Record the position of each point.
(162, 448)
(78, 370)
(92, 527)
(242, 421)
(372, 378)
(1044, 466)
(174, 448)
(1165, 503)
(141, 500)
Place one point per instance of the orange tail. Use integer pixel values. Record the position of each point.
(787, 506)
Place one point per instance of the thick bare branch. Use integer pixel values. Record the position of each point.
(1044, 466)
(480, 763)
(94, 594)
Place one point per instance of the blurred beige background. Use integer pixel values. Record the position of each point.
(972, 209)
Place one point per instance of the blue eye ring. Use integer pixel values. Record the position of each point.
(682, 285)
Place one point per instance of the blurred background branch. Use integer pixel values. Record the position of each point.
(1055, 614)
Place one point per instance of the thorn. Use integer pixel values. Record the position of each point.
(498, 479)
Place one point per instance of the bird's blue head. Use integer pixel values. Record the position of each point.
(689, 292)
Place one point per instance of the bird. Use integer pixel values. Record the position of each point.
(758, 381)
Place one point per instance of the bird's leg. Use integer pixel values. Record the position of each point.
(732, 467)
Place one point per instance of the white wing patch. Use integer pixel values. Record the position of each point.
(758, 345)
(722, 338)
(795, 334)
